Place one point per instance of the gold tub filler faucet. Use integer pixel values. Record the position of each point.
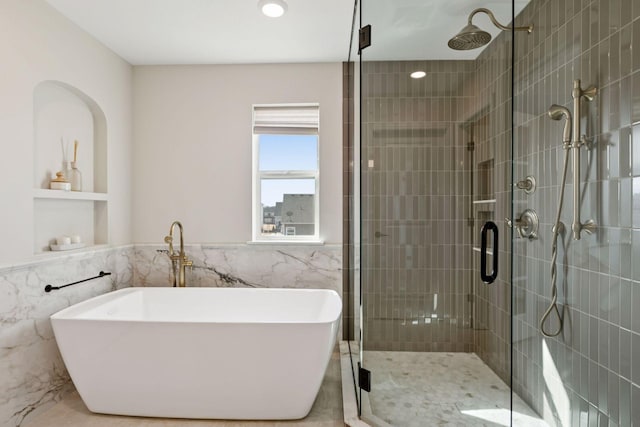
(178, 260)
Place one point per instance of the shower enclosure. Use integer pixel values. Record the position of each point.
(435, 152)
(454, 171)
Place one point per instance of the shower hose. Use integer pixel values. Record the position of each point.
(554, 257)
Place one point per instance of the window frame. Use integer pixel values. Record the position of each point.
(258, 176)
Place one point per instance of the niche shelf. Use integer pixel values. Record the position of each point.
(485, 178)
(40, 193)
(63, 114)
(484, 202)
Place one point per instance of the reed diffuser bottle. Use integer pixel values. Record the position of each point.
(66, 164)
(76, 177)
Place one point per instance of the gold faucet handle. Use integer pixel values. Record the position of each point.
(187, 262)
(169, 240)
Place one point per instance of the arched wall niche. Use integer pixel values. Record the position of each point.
(64, 114)
(62, 111)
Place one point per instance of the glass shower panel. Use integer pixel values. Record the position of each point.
(415, 209)
(435, 167)
(351, 204)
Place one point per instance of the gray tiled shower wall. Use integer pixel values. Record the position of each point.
(416, 191)
(421, 288)
(595, 362)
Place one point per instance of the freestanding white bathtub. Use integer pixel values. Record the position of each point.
(220, 353)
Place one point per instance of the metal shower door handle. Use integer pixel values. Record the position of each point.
(488, 279)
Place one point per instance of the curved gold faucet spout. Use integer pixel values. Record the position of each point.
(179, 260)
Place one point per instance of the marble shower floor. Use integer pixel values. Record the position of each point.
(411, 389)
(326, 411)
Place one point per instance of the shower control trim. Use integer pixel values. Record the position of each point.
(526, 225)
(528, 184)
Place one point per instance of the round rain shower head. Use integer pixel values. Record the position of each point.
(470, 37)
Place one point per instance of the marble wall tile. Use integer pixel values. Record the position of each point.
(285, 266)
(33, 374)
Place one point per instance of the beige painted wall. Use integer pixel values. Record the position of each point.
(188, 154)
(39, 44)
(192, 151)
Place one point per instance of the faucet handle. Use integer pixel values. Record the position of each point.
(169, 240)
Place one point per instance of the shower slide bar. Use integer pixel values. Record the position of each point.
(557, 112)
(578, 141)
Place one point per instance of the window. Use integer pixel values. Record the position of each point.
(285, 172)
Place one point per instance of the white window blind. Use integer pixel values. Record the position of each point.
(277, 119)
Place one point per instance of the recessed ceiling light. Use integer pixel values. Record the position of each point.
(272, 8)
(418, 74)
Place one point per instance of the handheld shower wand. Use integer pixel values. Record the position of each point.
(557, 112)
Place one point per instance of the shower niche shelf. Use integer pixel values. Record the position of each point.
(63, 114)
(484, 202)
(485, 177)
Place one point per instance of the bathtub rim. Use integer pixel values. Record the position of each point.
(70, 313)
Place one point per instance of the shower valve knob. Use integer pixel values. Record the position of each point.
(528, 184)
(526, 225)
(510, 223)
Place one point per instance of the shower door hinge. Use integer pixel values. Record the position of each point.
(364, 378)
(364, 37)
(471, 146)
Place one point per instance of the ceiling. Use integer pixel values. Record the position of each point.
(146, 32)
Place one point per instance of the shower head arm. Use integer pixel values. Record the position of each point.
(528, 29)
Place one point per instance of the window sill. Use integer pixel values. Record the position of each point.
(287, 242)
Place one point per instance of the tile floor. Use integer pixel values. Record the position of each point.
(326, 412)
(412, 389)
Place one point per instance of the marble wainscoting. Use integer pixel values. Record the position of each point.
(256, 266)
(32, 371)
